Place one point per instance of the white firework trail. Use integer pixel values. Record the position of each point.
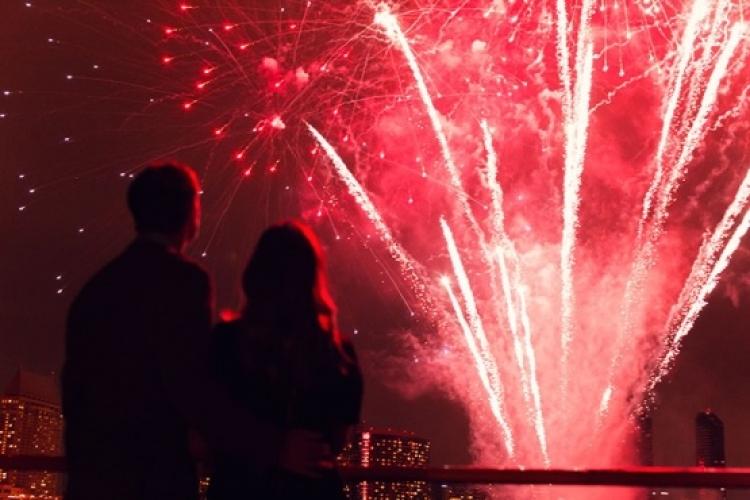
(717, 30)
(516, 304)
(563, 60)
(645, 256)
(704, 272)
(698, 12)
(604, 403)
(399, 254)
(495, 403)
(536, 393)
(523, 348)
(386, 20)
(501, 237)
(477, 328)
(512, 320)
(584, 38)
(389, 23)
(496, 192)
(697, 306)
(698, 126)
(576, 120)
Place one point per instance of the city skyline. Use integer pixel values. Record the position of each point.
(31, 423)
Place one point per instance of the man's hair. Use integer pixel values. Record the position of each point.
(162, 198)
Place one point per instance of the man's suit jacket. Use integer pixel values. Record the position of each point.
(136, 379)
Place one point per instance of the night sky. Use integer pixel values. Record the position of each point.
(68, 145)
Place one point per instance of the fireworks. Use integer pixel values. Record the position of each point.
(490, 141)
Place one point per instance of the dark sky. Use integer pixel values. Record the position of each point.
(74, 221)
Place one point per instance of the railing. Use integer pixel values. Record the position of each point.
(662, 477)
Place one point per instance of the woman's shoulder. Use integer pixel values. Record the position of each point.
(237, 337)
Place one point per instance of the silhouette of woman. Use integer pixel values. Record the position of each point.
(286, 361)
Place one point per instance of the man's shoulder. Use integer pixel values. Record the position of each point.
(190, 269)
(157, 260)
(149, 267)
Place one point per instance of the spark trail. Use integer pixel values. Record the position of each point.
(698, 127)
(495, 402)
(705, 290)
(698, 12)
(385, 18)
(713, 258)
(515, 306)
(576, 118)
(398, 253)
(477, 328)
(646, 253)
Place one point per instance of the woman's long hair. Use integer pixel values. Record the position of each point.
(286, 287)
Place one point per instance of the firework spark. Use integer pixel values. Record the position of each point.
(477, 328)
(515, 305)
(576, 118)
(698, 12)
(713, 258)
(646, 254)
(399, 254)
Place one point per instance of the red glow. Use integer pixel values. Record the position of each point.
(402, 105)
(227, 315)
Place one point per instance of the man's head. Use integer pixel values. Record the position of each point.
(164, 200)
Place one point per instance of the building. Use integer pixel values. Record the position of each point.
(709, 449)
(31, 423)
(387, 448)
(8, 492)
(709, 440)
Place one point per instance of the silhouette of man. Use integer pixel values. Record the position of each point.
(136, 377)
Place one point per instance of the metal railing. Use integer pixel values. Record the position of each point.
(662, 477)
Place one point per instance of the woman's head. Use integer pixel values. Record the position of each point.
(284, 281)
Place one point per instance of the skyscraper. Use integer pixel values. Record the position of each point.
(385, 447)
(709, 440)
(31, 423)
(709, 449)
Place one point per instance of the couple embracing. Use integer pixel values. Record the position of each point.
(272, 393)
